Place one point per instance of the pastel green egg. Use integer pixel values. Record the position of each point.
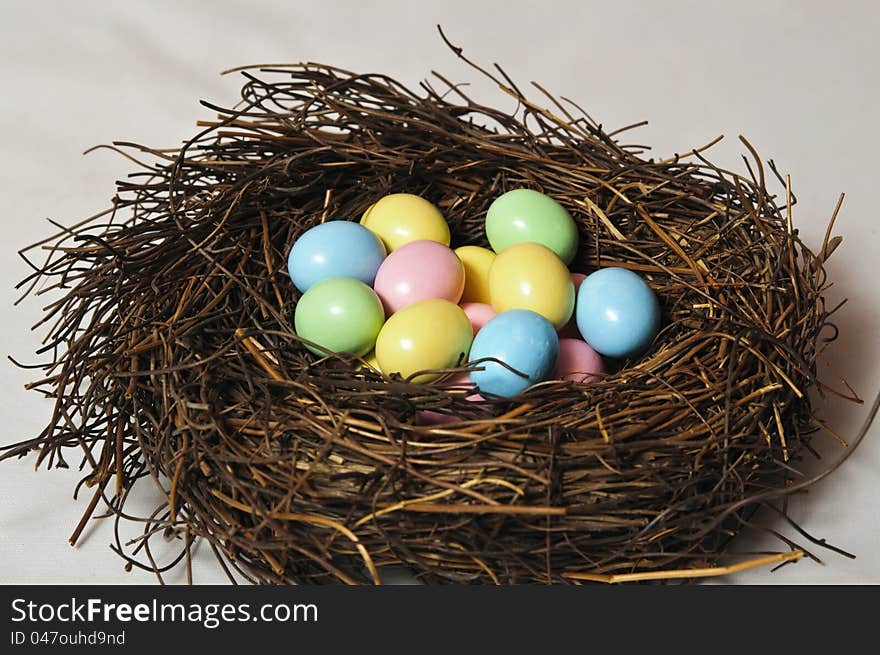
(339, 314)
(526, 215)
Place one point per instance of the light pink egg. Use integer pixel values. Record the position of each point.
(459, 380)
(479, 314)
(419, 270)
(428, 417)
(457, 383)
(570, 329)
(577, 361)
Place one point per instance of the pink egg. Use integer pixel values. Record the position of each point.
(455, 383)
(479, 314)
(570, 329)
(428, 417)
(577, 361)
(459, 380)
(419, 270)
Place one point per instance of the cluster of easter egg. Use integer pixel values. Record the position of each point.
(392, 290)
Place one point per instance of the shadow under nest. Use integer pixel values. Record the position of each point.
(173, 355)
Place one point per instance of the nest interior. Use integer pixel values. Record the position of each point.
(173, 358)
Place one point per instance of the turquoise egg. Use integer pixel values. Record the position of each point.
(335, 249)
(617, 312)
(522, 339)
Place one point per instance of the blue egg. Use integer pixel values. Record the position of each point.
(523, 340)
(335, 249)
(617, 312)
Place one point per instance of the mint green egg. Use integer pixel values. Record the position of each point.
(339, 314)
(524, 215)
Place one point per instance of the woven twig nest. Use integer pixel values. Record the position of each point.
(174, 356)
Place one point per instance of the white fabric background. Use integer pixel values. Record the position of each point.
(798, 78)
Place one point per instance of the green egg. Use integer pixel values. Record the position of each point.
(339, 314)
(525, 215)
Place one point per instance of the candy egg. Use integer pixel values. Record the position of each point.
(570, 329)
(617, 312)
(577, 361)
(339, 314)
(524, 215)
(458, 383)
(419, 270)
(478, 313)
(477, 261)
(523, 340)
(400, 218)
(370, 362)
(429, 334)
(430, 417)
(334, 249)
(531, 276)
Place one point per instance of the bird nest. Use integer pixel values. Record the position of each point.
(173, 358)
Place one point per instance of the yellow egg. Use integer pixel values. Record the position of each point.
(531, 276)
(429, 334)
(477, 262)
(371, 362)
(399, 218)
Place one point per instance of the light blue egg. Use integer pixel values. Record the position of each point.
(335, 249)
(523, 340)
(617, 312)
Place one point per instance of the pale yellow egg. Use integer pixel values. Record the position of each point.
(477, 261)
(399, 218)
(427, 335)
(531, 276)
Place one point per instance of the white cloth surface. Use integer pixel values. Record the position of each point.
(797, 78)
